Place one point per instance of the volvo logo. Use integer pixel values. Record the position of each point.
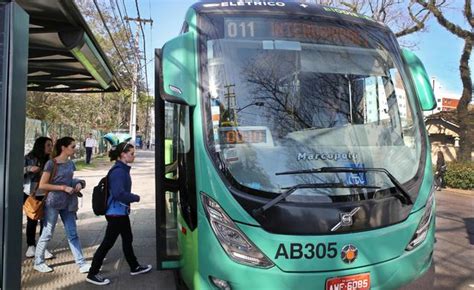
(349, 253)
(345, 219)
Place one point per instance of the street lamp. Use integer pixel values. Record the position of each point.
(258, 104)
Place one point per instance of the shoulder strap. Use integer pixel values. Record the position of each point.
(53, 173)
(108, 174)
(55, 169)
(110, 170)
(27, 159)
(107, 178)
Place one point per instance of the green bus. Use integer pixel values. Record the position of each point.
(291, 151)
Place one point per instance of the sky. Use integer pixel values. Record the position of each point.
(437, 48)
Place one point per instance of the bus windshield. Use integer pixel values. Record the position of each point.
(292, 94)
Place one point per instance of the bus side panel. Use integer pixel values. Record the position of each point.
(188, 245)
(428, 180)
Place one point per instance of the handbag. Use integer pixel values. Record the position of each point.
(34, 209)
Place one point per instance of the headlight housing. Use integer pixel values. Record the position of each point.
(424, 225)
(236, 245)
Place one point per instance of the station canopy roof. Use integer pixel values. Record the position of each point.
(64, 55)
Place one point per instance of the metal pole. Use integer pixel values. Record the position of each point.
(133, 109)
(136, 70)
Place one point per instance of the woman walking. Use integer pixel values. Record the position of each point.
(61, 201)
(32, 170)
(440, 170)
(118, 209)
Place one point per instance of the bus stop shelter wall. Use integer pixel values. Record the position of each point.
(14, 53)
(55, 55)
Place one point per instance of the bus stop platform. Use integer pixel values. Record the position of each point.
(91, 230)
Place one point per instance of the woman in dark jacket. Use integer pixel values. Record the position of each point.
(440, 170)
(32, 170)
(118, 209)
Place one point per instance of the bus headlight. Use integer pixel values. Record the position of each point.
(236, 245)
(424, 225)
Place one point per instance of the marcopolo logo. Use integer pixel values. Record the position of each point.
(242, 3)
(327, 156)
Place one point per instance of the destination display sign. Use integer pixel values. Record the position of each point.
(237, 136)
(244, 135)
(259, 28)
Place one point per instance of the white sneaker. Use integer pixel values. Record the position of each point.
(30, 252)
(85, 268)
(43, 268)
(48, 255)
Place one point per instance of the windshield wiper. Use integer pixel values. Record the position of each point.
(292, 189)
(402, 194)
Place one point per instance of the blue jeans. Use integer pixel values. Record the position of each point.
(69, 221)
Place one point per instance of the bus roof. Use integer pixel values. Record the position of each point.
(284, 7)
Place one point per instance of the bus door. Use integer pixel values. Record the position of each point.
(175, 181)
(167, 254)
(167, 192)
(175, 199)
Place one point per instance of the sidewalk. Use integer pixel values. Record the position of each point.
(91, 230)
(460, 191)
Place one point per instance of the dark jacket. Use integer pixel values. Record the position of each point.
(120, 187)
(440, 166)
(30, 179)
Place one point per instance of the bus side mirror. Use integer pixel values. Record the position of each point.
(179, 70)
(420, 80)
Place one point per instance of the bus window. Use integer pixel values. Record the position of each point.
(171, 197)
(180, 165)
(319, 98)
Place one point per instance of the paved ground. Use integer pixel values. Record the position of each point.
(454, 249)
(91, 229)
(453, 253)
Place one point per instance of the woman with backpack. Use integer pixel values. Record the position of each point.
(117, 214)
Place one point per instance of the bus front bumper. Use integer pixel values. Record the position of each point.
(390, 274)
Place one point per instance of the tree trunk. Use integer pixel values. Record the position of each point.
(466, 119)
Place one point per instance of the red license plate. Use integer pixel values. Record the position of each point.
(352, 282)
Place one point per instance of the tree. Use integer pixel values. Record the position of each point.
(104, 111)
(115, 37)
(403, 19)
(465, 117)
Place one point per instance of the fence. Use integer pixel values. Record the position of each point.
(36, 128)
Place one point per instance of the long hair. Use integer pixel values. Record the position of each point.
(38, 150)
(440, 158)
(64, 141)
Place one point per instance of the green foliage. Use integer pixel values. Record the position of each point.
(460, 175)
(81, 164)
(97, 161)
(98, 111)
